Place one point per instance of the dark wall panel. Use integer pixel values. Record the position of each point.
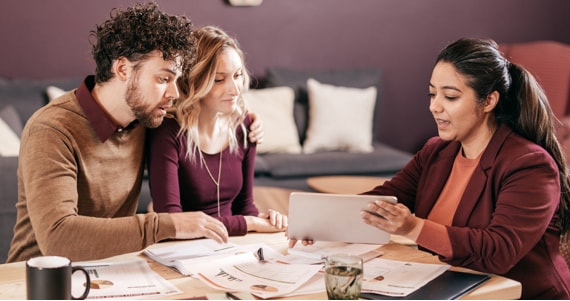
(42, 39)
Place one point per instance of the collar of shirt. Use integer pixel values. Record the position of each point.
(100, 121)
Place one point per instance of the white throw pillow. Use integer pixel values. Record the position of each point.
(275, 108)
(340, 118)
(54, 92)
(10, 145)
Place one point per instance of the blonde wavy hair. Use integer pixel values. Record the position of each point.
(197, 83)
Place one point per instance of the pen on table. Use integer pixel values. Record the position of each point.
(231, 296)
(260, 256)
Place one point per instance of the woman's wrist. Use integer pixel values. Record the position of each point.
(250, 221)
(416, 230)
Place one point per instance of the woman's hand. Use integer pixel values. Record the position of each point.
(276, 219)
(270, 221)
(393, 218)
(305, 242)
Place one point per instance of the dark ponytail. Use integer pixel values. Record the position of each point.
(536, 122)
(522, 105)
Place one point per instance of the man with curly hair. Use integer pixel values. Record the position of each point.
(81, 157)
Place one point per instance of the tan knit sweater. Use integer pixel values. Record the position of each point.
(77, 195)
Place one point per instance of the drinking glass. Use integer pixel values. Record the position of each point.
(343, 276)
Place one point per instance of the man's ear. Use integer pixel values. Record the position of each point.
(491, 101)
(121, 68)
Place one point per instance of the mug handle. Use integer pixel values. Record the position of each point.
(87, 282)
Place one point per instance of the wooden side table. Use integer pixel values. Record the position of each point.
(266, 197)
(344, 184)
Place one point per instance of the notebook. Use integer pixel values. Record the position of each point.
(448, 286)
(333, 217)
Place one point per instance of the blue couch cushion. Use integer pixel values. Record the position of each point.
(8, 200)
(11, 117)
(383, 160)
(261, 167)
(28, 95)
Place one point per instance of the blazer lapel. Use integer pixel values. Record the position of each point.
(477, 184)
(435, 178)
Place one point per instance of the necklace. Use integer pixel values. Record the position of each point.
(212, 177)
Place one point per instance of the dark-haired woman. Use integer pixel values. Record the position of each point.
(491, 193)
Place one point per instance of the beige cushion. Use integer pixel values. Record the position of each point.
(340, 118)
(10, 142)
(54, 92)
(275, 108)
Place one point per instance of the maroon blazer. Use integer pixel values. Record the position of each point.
(505, 221)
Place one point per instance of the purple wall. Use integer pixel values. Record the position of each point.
(42, 39)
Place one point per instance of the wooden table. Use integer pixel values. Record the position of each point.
(12, 275)
(344, 184)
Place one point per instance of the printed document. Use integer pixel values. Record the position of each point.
(398, 278)
(122, 280)
(247, 273)
(182, 255)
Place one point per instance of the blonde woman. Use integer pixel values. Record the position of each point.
(201, 160)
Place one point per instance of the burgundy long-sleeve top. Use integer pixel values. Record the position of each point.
(177, 184)
(505, 222)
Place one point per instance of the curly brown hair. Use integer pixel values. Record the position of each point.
(135, 32)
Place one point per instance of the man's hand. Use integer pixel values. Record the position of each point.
(197, 224)
(255, 129)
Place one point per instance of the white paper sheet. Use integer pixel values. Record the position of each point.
(244, 272)
(398, 278)
(121, 280)
(317, 252)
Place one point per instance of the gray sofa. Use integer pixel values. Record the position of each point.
(292, 170)
(20, 98)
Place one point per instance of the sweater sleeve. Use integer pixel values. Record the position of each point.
(163, 163)
(434, 237)
(243, 204)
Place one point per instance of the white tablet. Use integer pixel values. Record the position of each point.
(333, 217)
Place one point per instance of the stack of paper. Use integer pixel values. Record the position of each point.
(238, 268)
(181, 256)
(245, 272)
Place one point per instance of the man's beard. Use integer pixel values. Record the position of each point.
(147, 116)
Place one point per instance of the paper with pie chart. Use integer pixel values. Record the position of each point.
(245, 273)
(122, 280)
